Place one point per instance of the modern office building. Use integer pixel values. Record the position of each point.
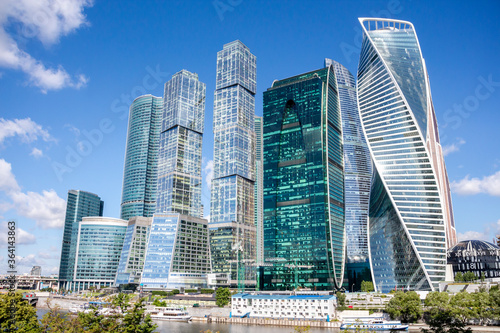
(259, 188)
(232, 219)
(303, 183)
(357, 180)
(476, 256)
(134, 250)
(36, 271)
(141, 157)
(98, 249)
(408, 223)
(179, 159)
(79, 204)
(178, 252)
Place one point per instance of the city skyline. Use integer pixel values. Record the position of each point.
(93, 140)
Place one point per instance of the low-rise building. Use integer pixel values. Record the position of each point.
(280, 306)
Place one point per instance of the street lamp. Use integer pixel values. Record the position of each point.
(352, 287)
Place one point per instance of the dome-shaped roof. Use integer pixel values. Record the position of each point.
(471, 245)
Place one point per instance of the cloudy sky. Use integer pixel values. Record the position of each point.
(69, 70)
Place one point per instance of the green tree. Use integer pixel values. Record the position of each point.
(445, 322)
(367, 286)
(482, 307)
(469, 277)
(137, 321)
(483, 277)
(23, 317)
(437, 302)
(459, 277)
(55, 321)
(222, 297)
(406, 306)
(462, 304)
(121, 301)
(340, 299)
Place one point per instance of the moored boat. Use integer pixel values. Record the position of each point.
(168, 313)
(375, 325)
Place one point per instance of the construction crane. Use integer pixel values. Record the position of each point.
(294, 266)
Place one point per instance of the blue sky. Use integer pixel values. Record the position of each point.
(68, 74)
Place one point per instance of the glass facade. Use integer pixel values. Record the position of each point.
(100, 242)
(357, 180)
(179, 161)
(303, 183)
(476, 256)
(406, 222)
(134, 250)
(79, 204)
(259, 187)
(178, 253)
(232, 219)
(141, 157)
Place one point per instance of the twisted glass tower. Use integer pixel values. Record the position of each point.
(232, 220)
(357, 179)
(141, 157)
(303, 183)
(408, 212)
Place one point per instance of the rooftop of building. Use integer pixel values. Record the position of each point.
(474, 245)
(284, 297)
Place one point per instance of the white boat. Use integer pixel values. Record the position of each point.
(168, 313)
(375, 325)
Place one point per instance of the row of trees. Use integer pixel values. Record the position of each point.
(19, 316)
(468, 277)
(459, 309)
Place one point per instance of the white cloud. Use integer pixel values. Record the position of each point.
(471, 186)
(26, 129)
(491, 230)
(36, 153)
(208, 170)
(46, 20)
(47, 208)
(454, 147)
(22, 236)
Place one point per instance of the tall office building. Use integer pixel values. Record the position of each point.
(79, 204)
(408, 211)
(141, 156)
(303, 183)
(357, 180)
(259, 188)
(134, 250)
(98, 248)
(178, 253)
(232, 219)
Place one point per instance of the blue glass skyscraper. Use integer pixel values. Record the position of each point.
(407, 227)
(232, 219)
(79, 204)
(259, 187)
(178, 253)
(303, 183)
(357, 179)
(141, 156)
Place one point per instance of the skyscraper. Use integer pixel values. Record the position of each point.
(178, 253)
(141, 156)
(179, 159)
(303, 183)
(232, 219)
(408, 225)
(357, 179)
(98, 249)
(79, 204)
(259, 188)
